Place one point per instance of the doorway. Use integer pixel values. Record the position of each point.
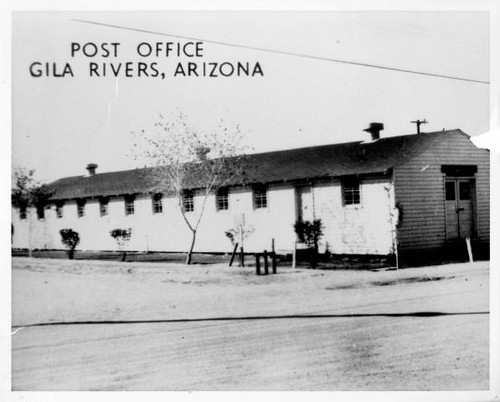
(459, 208)
(304, 203)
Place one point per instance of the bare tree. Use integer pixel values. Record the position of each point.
(192, 164)
(28, 194)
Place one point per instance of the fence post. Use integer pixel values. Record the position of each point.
(266, 263)
(274, 262)
(242, 257)
(257, 263)
(235, 249)
(469, 249)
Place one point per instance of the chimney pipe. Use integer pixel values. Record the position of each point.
(374, 130)
(91, 167)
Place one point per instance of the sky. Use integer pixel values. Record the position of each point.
(62, 124)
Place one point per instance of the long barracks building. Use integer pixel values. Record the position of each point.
(420, 193)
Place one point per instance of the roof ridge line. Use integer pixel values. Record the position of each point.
(280, 150)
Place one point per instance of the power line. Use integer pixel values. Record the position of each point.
(282, 52)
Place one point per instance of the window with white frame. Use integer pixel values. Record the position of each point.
(351, 193)
(103, 206)
(188, 201)
(80, 208)
(157, 203)
(59, 209)
(129, 204)
(222, 199)
(260, 196)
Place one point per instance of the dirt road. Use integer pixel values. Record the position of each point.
(326, 330)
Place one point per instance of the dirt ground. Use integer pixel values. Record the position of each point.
(150, 326)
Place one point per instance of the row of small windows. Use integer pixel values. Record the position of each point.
(221, 200)
(351, 195)
(40, 212)
(221, 203)
(103, 207)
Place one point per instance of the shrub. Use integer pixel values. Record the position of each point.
(70, 239)
(310, 233)
(122, 236)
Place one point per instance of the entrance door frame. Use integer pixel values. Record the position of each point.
(299, 188)
(473, 200)
(458, 172)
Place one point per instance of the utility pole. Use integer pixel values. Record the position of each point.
(418, 123)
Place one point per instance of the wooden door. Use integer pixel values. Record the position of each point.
(459, 208)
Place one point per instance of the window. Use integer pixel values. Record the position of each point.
(188, 201)
(450, 191)
(129, 204)
(260, 196)
(351, 191)
(59, 209)
(80, 208)
(222, 199)
(40, 211)
(22, 212)
(464, 190)
(103, 205)
(157, 203)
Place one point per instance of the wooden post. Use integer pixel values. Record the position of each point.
(234, 254)
(257, 263)
(274, 262)
(272, 244)
(469, 249)
(266, 263)
(30, 250)
(397, 256)
(242, 257)
(294, 255)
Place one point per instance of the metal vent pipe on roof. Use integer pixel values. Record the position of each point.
(374, 130)
(91, 167)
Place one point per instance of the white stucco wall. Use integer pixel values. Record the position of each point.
(364, 229)
(356, 229)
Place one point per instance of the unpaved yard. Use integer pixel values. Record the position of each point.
(325, 330)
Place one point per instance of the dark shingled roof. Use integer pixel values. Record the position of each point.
(353, 158)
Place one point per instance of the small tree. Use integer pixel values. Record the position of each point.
(188, 159)
(70, 239)
(310, 233)
(28, 193)
(239, 233)
(122, 237)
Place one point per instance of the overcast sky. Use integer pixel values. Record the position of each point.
(61, 124)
